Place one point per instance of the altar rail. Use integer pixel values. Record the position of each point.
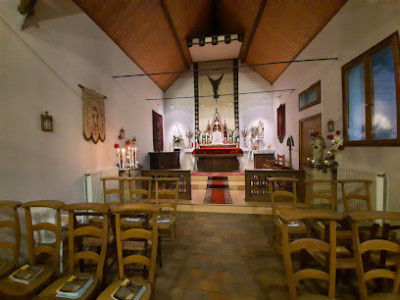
(185, 185)
(257, 183)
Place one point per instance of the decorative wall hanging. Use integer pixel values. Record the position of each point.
(158, 142)
(47, 122)
(93, 115)
(281, 122)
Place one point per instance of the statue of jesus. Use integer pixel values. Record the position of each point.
(217, 135)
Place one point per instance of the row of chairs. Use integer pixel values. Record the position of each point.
(142, 187)
(47, 256)
(317, 205)
(372, 274)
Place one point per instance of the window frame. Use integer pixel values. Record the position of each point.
(365, 58)
(317, 87)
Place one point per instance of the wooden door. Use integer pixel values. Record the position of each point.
(306, 126)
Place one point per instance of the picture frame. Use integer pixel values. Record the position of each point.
(281, 122)
(46, 122)
(310, 96)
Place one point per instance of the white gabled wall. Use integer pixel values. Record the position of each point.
(358, 26)
(40, 69)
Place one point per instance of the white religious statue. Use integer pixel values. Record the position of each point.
(260, 129)
(217, 135)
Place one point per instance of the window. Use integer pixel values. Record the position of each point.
(310, 96)
(371, 91)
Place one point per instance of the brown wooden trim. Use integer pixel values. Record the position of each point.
(174, 33)
(316, 86)
(301, 121)
(253, 30)
(365, 59)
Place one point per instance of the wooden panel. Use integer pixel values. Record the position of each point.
(191, 19)
(185, 185)
(256, 183)
(261, 160)
(238, 17)
(285, 29)
(305, 127)
(141, 29)
(164, 160)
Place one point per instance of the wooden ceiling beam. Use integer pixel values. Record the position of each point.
(246, 47)
(175, 34)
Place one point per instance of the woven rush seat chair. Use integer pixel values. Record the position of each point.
(82, 255)
(328, 274)
(7, 265)
(149, 236)
(38, 253)
(368, 271)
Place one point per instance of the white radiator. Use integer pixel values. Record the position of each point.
(379, 187)
(94, 186)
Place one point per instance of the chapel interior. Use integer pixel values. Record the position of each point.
(208, 149)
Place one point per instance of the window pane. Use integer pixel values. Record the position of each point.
(384, 117)
(356, 88)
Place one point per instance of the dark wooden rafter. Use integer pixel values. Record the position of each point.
(246, 47)
(175, 34)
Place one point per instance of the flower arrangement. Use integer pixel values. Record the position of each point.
(319, 160)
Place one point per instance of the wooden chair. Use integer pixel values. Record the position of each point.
(110, 191)
(280, 160)
(7, 265)
(167, 186)
(122, 236)
(362, 249)
(358, 192)
(140, 191)
(76, 254)
(328, 192)
(276, 185)
(36, 252)
(293, 278)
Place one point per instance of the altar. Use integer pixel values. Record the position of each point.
(218, 159)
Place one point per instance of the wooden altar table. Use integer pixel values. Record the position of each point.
(218, 159)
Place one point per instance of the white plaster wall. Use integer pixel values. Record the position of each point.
(40, 70)
(357, 27)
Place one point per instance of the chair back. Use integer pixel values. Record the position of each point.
(276, 186)
(166, 186)
(321, 189)
(52, 249)
(113, 190)
(356, 194)
(145, 192)
(383, 246)
(147, 235)
(13, 224)
(309, 244)
(76, 232)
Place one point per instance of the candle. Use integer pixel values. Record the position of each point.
(123, 157)
(118, 157)
(134, 157)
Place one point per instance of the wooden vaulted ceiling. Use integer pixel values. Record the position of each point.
(153, 33)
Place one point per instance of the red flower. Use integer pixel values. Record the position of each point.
(116, 146)
(120, 137)
(127, 143)
(315, 147)
(340, 147)
(329, 136)
(337, 132)
(324, 146)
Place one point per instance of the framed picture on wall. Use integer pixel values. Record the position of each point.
(310, 96)
(281, 122)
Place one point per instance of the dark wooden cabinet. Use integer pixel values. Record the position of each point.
(262, 159)
(164, 160)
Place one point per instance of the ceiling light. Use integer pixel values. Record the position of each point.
(202, 42)
(227, 38)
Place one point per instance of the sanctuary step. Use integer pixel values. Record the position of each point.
(201, 181)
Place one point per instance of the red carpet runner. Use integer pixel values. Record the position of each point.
(218, 190)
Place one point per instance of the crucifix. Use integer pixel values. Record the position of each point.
(215, 84)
